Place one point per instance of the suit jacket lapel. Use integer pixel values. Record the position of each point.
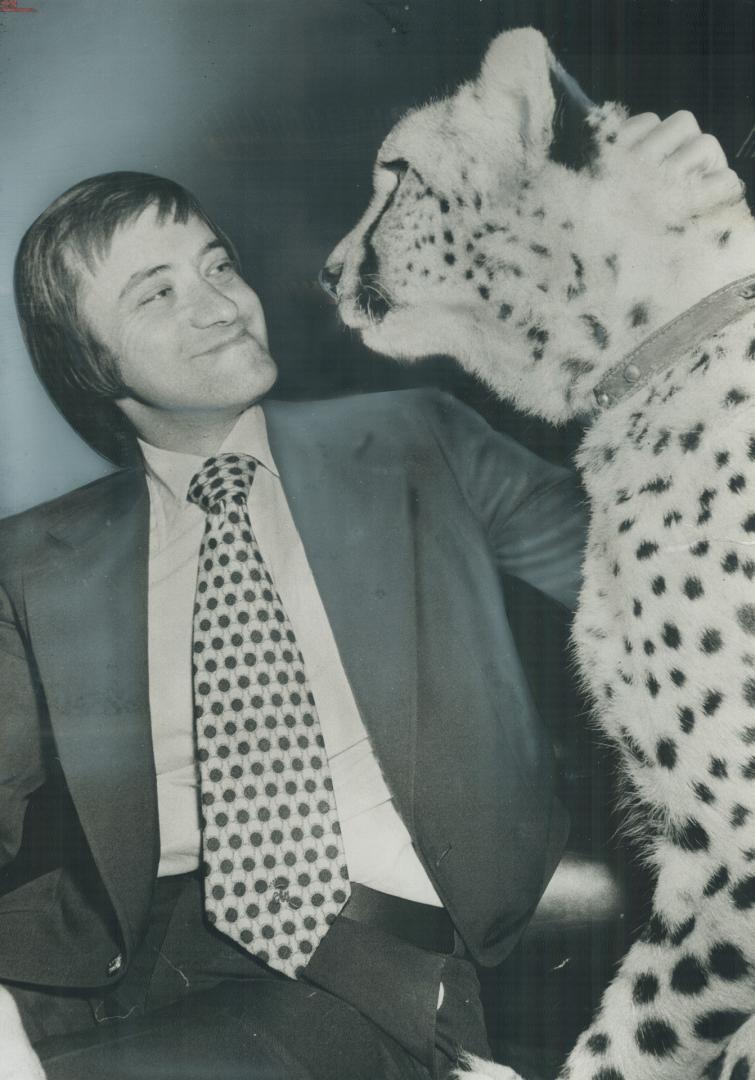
(88, 622)
(353, 509)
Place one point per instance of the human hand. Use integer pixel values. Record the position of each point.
(17, 1058)
(687, 156)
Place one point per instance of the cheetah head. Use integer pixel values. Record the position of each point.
(537, 273)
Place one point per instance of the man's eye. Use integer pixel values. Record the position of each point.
(224, 267)
(160, 294)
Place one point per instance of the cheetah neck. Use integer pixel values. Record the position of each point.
(563, 300)
(668, 345)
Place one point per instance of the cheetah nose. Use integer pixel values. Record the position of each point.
(329, 277)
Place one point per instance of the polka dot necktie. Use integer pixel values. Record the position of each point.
(275, 871)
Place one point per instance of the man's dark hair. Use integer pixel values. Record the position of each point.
(78, 372)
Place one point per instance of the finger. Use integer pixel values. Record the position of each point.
(636, 128)
(668, 136)
(701, 154)
(716, 189)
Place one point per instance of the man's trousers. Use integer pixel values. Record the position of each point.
(195, 1006)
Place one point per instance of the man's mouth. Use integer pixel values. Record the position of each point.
(230, 340)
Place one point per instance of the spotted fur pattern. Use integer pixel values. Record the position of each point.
(539, 277)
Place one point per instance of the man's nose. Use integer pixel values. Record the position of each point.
(210, 305)
(329, 277)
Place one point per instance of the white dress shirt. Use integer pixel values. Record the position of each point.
(378, 848)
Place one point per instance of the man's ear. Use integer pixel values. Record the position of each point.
(514, 89)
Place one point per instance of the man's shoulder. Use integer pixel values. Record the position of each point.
(394, 414)
(22, 531)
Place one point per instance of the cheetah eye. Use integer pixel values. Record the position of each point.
(397, 166)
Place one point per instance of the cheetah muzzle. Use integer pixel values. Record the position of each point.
(539, 276)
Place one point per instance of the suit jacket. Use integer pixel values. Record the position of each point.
(409, 507)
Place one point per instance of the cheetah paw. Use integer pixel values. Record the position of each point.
(738, 1063)
(474, 1068)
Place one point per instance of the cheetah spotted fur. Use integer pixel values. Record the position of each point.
(538, 277)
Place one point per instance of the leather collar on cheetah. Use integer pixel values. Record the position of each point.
(666, 346)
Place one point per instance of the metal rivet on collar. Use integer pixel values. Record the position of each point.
(664, 347)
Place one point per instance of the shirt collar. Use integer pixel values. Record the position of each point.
(173, 471)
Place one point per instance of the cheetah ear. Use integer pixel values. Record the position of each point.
(514, 87)
(520, 84)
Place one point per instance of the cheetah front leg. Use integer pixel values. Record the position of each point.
(737, 1062)
(474, 1068)
(684, 988)
(681, 1006)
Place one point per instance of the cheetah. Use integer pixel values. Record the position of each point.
(575, 282)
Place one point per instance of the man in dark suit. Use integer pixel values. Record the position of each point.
(401, 824)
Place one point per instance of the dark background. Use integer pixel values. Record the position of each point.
(271, 111)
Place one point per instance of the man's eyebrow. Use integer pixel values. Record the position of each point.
(211, 245)
(141, 275)
(150, 271)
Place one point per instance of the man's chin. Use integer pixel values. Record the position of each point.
(244, 361)
(238, 378)
(263, 376)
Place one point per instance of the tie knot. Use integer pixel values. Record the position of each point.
(226, 476)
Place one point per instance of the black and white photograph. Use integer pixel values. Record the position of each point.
(377, 540)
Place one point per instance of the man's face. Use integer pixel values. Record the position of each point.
(188, 334)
